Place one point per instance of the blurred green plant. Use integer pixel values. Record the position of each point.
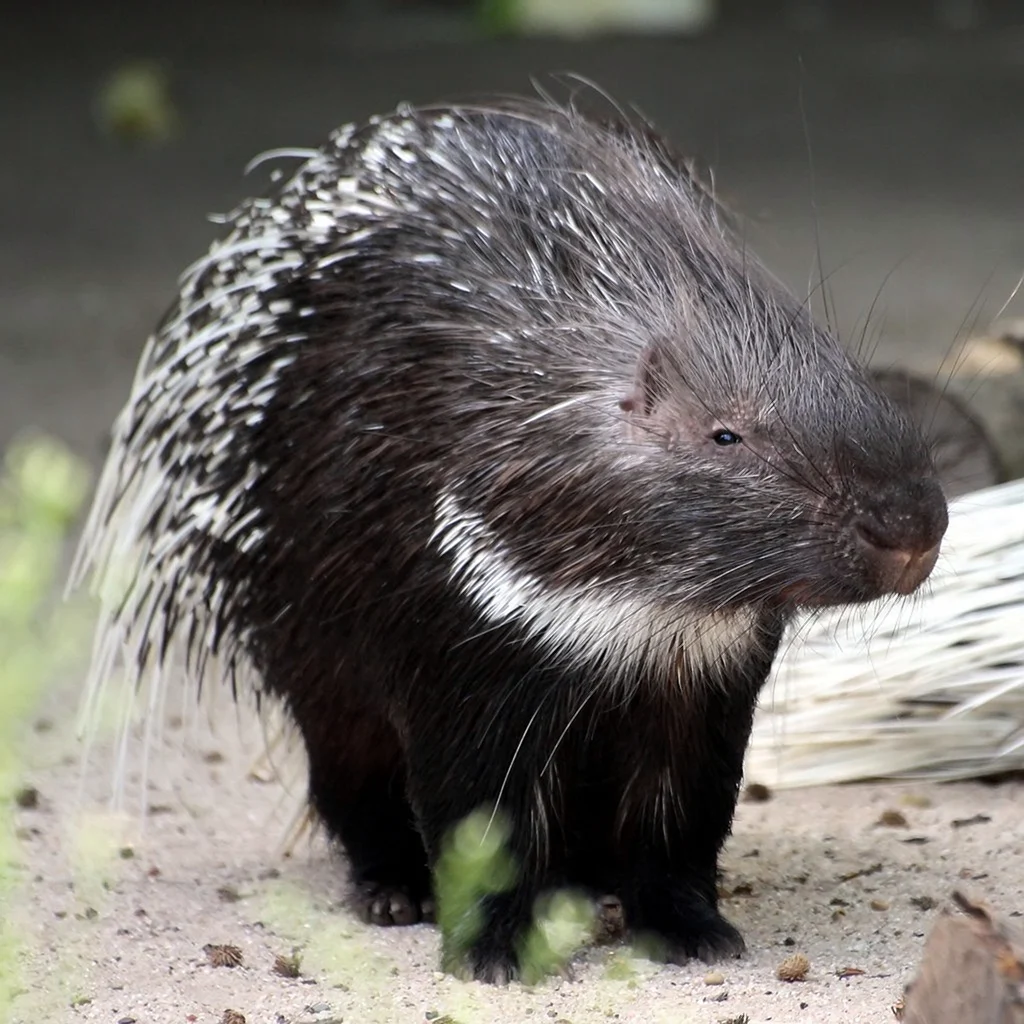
(476, 863)
(135, 105)
(41, 490)
(563, 924)
(498, 17)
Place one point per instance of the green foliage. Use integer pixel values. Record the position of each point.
(498, 17)
(474, 865)
(564, 924)
(135, 104)
(620, 968)
(41, 490)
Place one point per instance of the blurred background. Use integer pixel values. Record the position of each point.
(893, 131)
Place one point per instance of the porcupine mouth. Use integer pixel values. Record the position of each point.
(812, 595)
(809, 595)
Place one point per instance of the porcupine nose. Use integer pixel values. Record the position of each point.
(901, 543)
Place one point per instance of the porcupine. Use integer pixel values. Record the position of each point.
(484, 443)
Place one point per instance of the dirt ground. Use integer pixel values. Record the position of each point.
(917, 149)
(117, 920)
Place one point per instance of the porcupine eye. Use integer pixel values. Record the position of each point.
(725, 437)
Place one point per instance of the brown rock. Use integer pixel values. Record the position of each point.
(972, 971)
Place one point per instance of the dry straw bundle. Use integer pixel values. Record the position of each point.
(932, 688)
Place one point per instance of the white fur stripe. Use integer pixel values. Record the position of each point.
(600, 626)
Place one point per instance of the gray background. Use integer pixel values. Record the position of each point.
(915, 131)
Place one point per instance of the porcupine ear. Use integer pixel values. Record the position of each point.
(650, 384)
(646, 397)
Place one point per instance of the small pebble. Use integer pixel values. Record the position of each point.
(975, 819)
(879, 904)
(27, 798)
(714, 978)
(892, 818)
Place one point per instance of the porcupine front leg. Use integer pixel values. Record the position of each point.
(677, 808)
(492, 762)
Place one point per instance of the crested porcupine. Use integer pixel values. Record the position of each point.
(501, 464)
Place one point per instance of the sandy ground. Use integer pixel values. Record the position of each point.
(116, 919)
(917, 151)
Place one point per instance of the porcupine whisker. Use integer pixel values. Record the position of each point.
(968, 327)
(508, 771)
(568, 725)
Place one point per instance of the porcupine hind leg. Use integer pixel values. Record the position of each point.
(682, 764)
(357, 788)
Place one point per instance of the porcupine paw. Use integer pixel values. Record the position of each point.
(704, 935)
(495, 968)
(494, 956)
(491, 955)
(389, 905)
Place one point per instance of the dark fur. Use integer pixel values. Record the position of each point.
(630, 296)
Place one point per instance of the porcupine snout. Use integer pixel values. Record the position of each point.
(898, 535)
